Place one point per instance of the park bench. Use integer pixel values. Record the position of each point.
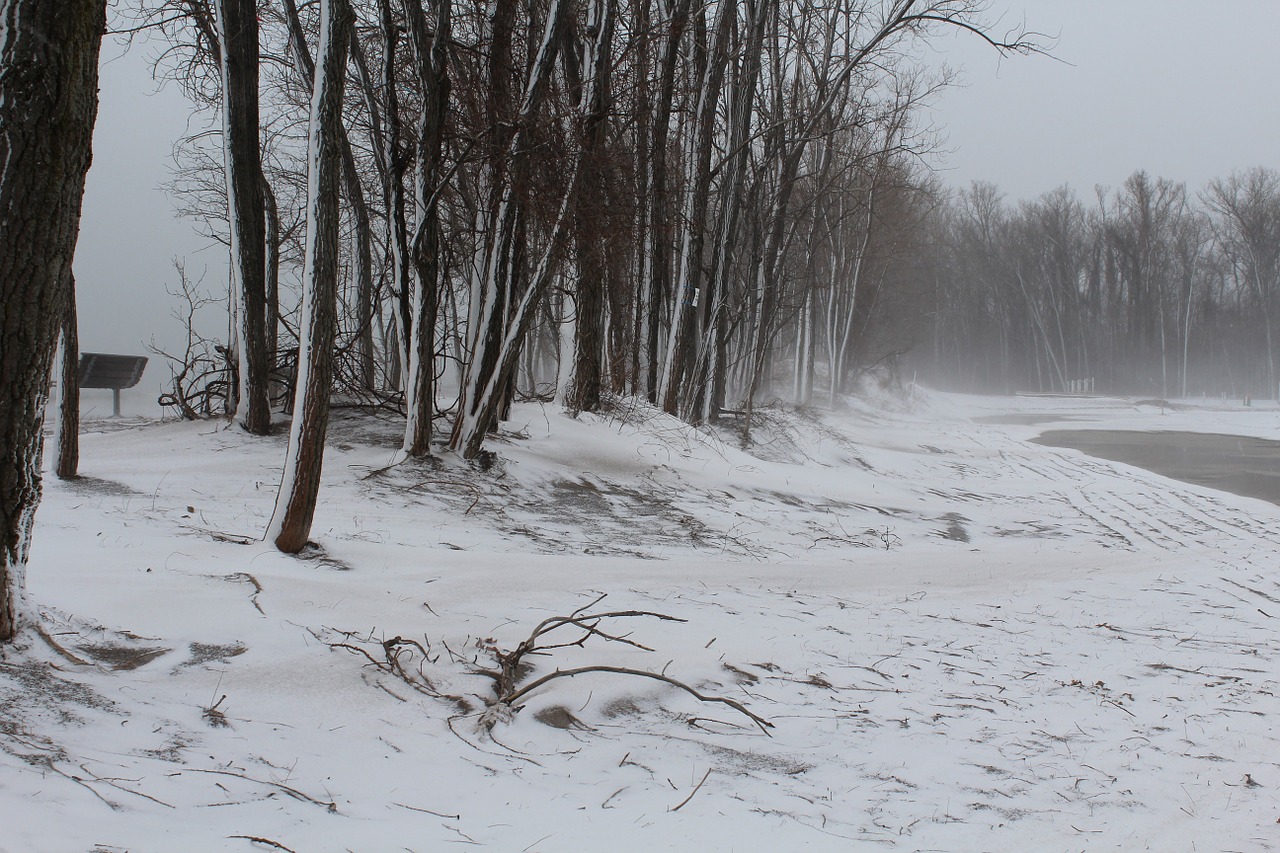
(117, 372)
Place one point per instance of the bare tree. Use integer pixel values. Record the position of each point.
(48, 104)
(1136, 293)
(608, 195)
(67, 463)
(505, 295)
(593, 105)
(1247, 206)
(238, 37)
(657, 228)
(431, 60)
(300, 485)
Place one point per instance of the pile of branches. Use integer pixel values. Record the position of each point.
(511, 671)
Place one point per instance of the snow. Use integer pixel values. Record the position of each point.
(1094, 668)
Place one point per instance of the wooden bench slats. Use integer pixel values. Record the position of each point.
(103, 370)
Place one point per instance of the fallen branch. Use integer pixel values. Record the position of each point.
(406, 659)
(115, 784)
(512, 667)
(510, 663)
(258, 839)
(764, 724)
(62, 651)
(429, 811)
(292, 792)
(48, 762)
(398, 660)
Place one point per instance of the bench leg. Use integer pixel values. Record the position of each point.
(115, 402)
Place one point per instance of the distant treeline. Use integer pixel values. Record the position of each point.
(708, 206)
(1149, 289)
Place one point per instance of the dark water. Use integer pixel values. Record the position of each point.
(1024, 419)
(1230, 463)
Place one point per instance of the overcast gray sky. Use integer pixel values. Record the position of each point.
(1185, 89)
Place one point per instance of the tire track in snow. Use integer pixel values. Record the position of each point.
(1158, 512)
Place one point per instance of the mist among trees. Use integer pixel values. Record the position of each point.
(706, 206)
(709, 207)
(1148, 288)
(438, 208)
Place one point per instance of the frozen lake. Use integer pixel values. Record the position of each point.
(1231, 463)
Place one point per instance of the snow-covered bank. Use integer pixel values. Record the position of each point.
(963, 641)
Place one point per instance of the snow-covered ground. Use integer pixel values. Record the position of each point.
(961, 640)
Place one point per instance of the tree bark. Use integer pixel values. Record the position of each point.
(68, 461)
(696, 204)
(272, 318)
(659, 233)
(362, 229)
(238, 35)
(501, 309)
(48, 103)
(300, 484)
(594, 102)
(431, 59)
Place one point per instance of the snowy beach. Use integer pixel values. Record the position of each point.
(959, 640)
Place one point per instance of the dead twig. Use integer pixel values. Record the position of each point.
(696, 789)
(292, 792)
(402, 658)
(258, 839)
(429, 811)
(115, 784)
(245, 577)
(50, 764)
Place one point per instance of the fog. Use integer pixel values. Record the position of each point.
(1180, 89)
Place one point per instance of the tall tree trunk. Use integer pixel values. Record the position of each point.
(502, 300)
(366, 290)
(659, 235)
(362, 236)
(642, 142)
(699, 400)
(48, 103)
(431, 57)
(271, 325)
(300, 484)
(68, 461)
(593, 105)
(393, 161)
(688, 285)
(238, 35)
(362, 229)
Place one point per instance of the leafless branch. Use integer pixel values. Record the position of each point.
(257, 839)
(764, 724)
(330, 806)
